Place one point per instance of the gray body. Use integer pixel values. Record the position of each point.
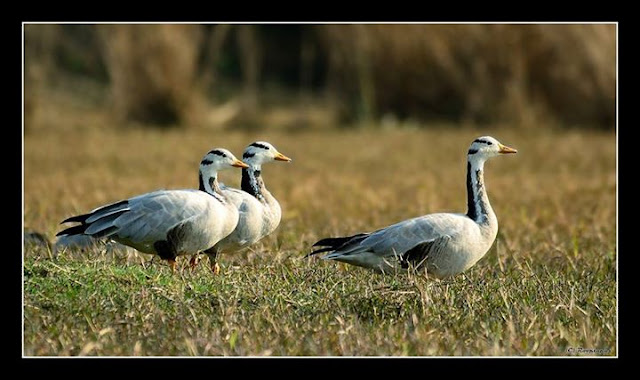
(257, 219)
(168, 223)
(259, 211)
(192, 220)
(452, 244)
(445, 244)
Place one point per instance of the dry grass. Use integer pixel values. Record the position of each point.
(548, 284)
(153, 72)
(522, 74)
(525, 75)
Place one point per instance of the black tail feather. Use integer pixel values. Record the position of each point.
(75, 230)
(338, 241)
(111, 211)
(332, 244)
(104, 210)
(77, 218)
(319, 251)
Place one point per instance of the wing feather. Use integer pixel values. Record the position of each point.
(150, 218)
(403, 236)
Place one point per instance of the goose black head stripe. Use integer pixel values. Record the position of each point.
(482, 141)
(217, 152)
(260, 145)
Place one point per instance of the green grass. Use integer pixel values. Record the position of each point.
(547, 285)
(295, 307)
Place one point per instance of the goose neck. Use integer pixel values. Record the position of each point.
(209, 183)
(252, 181)
(478, 206)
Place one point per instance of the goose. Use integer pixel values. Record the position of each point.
(259, 211)
(168, 223)
(445, 244)
(86, 243)
(35, 238)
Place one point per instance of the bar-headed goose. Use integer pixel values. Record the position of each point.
(259, 210)
(168, 223)
(445, 243)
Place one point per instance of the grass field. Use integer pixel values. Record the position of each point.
(547, 287)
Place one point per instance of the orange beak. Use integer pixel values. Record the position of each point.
(239, 164)
(281, 157)
(505, 149)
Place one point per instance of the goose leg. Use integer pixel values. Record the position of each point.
(193, 263)
(172, 264)
(167, 252)
(213, 253)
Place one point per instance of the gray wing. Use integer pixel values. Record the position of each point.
(147, 218)
(418, 255)
(235, 196)
(401, 237)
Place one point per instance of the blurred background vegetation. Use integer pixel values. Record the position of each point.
(308, 76)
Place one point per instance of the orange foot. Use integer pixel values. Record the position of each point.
(172, 264)
(193, 263)
(215, 268)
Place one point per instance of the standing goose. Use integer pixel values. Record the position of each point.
(168, 223)
(445, 244)
(259, 210)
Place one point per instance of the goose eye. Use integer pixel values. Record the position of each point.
(489, 143)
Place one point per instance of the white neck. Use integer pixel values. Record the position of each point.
(253, 184)
(478, 206)
(209, 182)
(252, 181)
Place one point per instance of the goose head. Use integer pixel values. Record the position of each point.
(219, 159)
(486, 147)
(261, 152)
(212, 162)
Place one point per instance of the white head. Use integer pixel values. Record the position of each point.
(219, 159)
(486, 147)
(212, 162)
(260, 152)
